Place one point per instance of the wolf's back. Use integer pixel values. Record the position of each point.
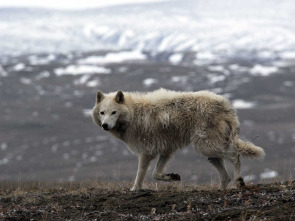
(247, 149)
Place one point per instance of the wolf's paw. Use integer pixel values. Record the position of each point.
(170, 177)
(173, 176)
(240, 182)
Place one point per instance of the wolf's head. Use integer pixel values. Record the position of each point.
(110, 110)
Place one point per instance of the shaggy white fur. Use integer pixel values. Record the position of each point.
(160, 122)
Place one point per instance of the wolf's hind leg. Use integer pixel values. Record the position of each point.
(143, 164)
(218, 163)
(158, 173)
(235, 160)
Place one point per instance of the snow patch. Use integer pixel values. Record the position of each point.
(234, 67)
(149, 82)
(268, 174)
(205, 58)
(214, 79)
(241, 104)
(288, 55)
(288, 83)
(19, 67)
(43, 74)
(66, 156)
(4, 161)
(87, 112)
(35, 60)
(81, 69)
(217, 68)
(249, 178)
(26, 81)
(176, 58)
(3, 146)
(93, 159)
(122, 69)
(54, 148)
(82, 80)
(114, 57)
(3, 73)
(93, 83)
(182, 79)
(238, 68)
(263, 70)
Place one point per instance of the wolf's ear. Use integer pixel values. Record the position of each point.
(119, 97)
(99, 96)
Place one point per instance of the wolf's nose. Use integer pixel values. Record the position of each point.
(105, 126)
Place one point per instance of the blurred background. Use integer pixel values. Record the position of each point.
(54, 56)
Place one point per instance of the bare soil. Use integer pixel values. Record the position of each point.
(275, 201)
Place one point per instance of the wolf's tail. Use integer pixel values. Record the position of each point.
(247, 149)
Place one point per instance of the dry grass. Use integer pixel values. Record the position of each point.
(89, 200)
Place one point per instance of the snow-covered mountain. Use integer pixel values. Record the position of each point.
(264, 29)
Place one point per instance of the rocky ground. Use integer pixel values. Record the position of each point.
(114, 201)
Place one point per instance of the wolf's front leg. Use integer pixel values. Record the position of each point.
(143, 164)
(158, 173)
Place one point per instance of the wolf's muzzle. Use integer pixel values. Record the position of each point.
(105, 126)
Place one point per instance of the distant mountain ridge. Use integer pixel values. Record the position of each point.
(213, 28)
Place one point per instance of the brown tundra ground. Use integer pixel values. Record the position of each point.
(114, 201)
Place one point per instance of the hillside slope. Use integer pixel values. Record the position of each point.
(113, 202)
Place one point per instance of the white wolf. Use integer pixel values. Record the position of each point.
(157, 123)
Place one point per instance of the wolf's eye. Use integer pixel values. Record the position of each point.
(114, 112)
(102, 113)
